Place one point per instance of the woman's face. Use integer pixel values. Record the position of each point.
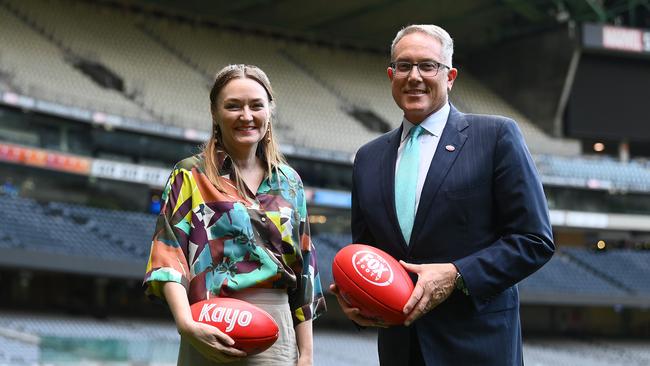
(243, 113)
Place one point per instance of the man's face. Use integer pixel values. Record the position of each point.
(420, 96)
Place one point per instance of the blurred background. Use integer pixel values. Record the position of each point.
(98, 100)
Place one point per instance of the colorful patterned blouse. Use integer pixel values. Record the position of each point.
(215, 243)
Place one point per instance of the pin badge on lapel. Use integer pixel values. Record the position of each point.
(450, 148)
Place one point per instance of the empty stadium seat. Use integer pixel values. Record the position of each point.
(167, 67)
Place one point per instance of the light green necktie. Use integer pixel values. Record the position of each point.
(406, 181)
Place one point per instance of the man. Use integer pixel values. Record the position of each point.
(456, 197)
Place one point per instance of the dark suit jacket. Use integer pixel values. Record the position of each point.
(483, 209)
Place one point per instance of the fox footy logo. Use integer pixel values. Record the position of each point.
(372, 267)
(218, 314)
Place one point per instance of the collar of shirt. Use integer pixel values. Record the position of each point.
(224, 163)
(434, 124)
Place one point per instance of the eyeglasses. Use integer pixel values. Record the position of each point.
(426, 69)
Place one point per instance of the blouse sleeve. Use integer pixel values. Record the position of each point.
(307, 302)
(168, 256)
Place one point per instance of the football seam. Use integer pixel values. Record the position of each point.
(259, 338)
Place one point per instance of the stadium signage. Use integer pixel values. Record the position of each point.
(152, 176)
(614, 38)
(40, 158)
(218, 314)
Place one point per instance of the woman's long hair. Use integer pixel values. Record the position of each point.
(268, 149)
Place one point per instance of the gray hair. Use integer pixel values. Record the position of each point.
(430, 30)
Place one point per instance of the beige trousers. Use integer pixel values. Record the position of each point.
(283, 352)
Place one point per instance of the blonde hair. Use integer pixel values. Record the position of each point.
(268, 149)
(433, 31)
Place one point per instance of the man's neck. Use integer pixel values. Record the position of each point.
(417, 119)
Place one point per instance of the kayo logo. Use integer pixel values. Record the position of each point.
(372, 267)
(227, 315)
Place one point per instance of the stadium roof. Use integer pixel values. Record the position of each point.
(373, 23)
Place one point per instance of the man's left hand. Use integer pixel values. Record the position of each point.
(436, 281)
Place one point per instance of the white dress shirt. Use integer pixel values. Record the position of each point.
(433, 126)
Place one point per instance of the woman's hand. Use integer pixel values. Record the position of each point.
(305, 361)
(212, 343)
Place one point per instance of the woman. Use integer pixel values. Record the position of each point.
(234, 224)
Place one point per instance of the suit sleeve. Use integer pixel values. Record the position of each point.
(525, 239)
(360, 231)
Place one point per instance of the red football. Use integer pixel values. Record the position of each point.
(373, 281)
(252, 328)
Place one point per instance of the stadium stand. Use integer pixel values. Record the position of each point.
(327, 245)
(23, 53)
(592, 352)
(68, 228)
(610, 173)
(561, 277)
(17, 352)
(128, 230)
(627, 267)
(27, 224)
(479, 99)
(155, 342)
(316, 87)
(166, 66)
(141, 342)
(303, 104)
(129, 53)
(75, 340)
(361, 80)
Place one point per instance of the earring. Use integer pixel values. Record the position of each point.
(268, 133)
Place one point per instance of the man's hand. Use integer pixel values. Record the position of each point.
(436, 281)
(353, 314)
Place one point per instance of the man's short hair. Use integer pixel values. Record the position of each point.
(430, 30)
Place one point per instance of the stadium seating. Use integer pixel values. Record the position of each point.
(600, 172)
(629, 268)
(74, 340)
(327, 245)
(583, 351)
(70, 340)
(167, 67)
(168, 89)
(312, 114)
(571, 272)
(16, 352)
(27, 224)
(562, 277)
(361, 79)
(131, 231)
(69, 228)
(23, 54)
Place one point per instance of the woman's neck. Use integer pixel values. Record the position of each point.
(245, 159)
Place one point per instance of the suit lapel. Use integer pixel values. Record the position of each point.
(452, 135)
(388, 180)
